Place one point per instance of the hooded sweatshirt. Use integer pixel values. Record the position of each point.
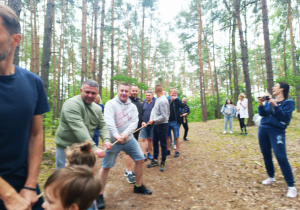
(121, 118)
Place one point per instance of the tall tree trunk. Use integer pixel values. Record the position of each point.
(101, 48)
(36, 41)
(201, 78)
(218, 111)
(112, 51)
(118, 62)
(153, 74)
(262, 68)
(265, 19)
(209, 65)
(142, 55)
(293, 53)
(128, 72)
(47, 44)
(257, 71)
(90, 58)
(83, 42)
(284, 49)
(54, 75)
(32, 60)
(95, 39)
(234, 63)
(15, 5)
(245, 62)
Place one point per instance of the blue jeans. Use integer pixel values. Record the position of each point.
(160, 135)
(147, 132)
(271, 138)
(131, 148)
(228, 119)
(60, 158)
(173, 125)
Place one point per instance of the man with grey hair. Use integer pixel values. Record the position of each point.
(80, 116)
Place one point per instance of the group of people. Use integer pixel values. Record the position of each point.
(240, 110)
(74, 185)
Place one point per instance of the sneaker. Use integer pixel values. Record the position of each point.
(185, 140)
(130, 178)
(150, 156)
(174, 146)
(292, 192)
(145, 158)
(169, 152)
(100, 202)
(126, 174)
(176, 154)
(224, 132)
(230, 132)
(153, 163)
(269, 181)
(142, 189)
(162, 166)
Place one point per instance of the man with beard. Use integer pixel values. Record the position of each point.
(21, 125)
(80, 116)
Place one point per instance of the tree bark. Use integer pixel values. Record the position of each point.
(202, 89)
(293, 53)
(15, 5)
(142, 55)
(112, 51)
(95, 38)
(47, 44)
(54, 75)
(101, 48)
(268, 58)
(128, 72)
(234, 63)
(245, 62)
(209, 65)
(83, 42)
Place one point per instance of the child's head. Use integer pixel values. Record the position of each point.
(71, 188)
(80, 154)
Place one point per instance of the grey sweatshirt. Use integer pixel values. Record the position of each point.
(161, 110)
(121, 118)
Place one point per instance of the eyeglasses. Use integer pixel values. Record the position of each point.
(148, 91)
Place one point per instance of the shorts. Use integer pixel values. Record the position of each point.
(131, 148)
(147, 132)
(173, 125)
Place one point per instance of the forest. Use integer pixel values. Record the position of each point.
(209, 51)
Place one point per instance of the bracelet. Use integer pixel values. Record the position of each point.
(29, 188)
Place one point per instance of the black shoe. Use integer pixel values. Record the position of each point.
(142, 189)
(100, 202)
(185, 140)
(176, 154)
(145, 158)
(169, 152)
(246, 134)
(162, 166)
(153, 163)
(130, 178)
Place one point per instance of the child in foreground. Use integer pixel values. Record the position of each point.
(71, 188)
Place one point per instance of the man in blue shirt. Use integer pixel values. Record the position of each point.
(22, 103)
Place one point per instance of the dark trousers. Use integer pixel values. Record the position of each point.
(136, 134)
(18, 183)
(160, 135)
(186, 129)
(271, 138)
(242, 123)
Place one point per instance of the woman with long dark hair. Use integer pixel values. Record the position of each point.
(228, 111)
(242, 111)
(276, 115)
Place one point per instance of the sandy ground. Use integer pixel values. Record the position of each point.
(214, 171)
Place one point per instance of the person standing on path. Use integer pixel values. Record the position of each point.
(276, 115)
(185, 111)
(174, 121)
(96, 133)
(79, 118)
(159, 117)
(242, 111)
(129, 174)
(147, 130)
(21, 124)
(121, 117)
(228, 111)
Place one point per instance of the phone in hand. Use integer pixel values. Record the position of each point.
(265, 98)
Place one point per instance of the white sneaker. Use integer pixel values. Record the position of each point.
(224, 132)
(230, 132)
(292, 192)
(269, 181)
(174, 146)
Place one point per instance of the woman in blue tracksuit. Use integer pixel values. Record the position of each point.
(276, 115)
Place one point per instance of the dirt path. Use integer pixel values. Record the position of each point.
(214, 171)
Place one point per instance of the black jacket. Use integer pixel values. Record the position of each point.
(139, 107)
(177, 105)
(186, 109)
